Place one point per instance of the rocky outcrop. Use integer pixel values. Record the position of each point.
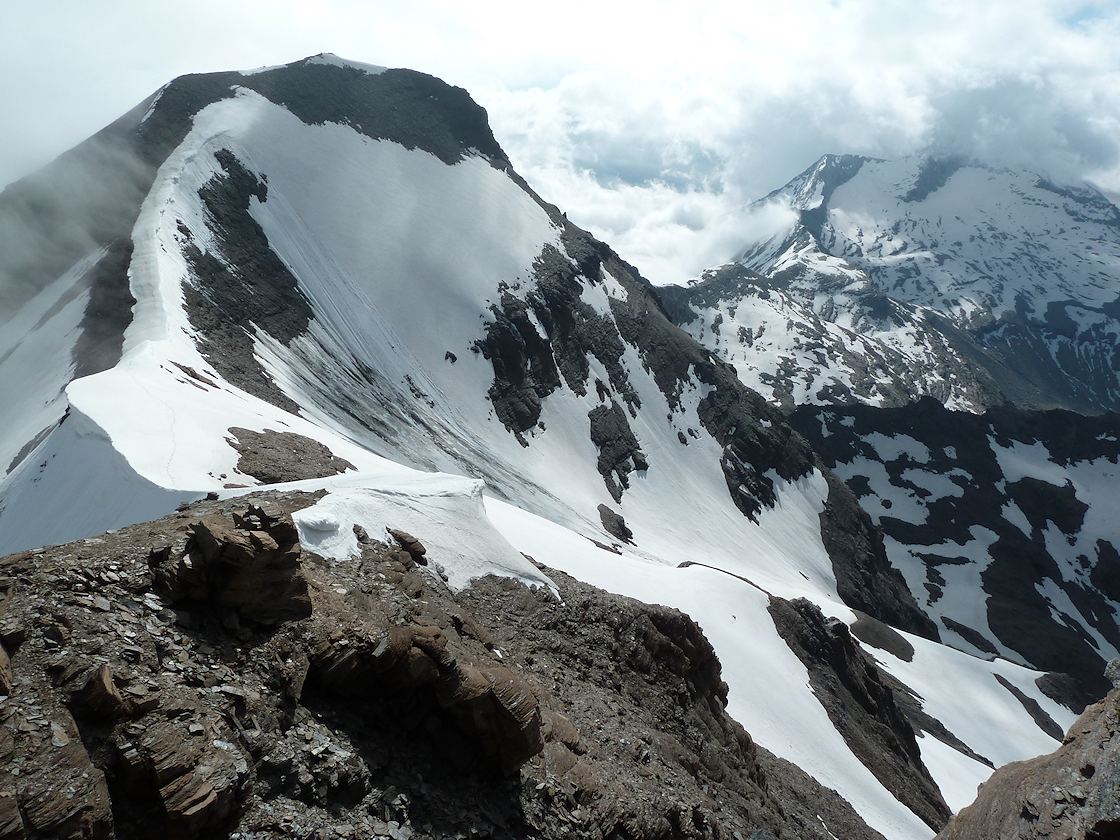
(935, 482)
(860, 705)
(1071, 794)
(491, 705)
(248, 564)
(204, 676)
(865, 578)
(414, 548)
(274, 457)
(619, 451)
(615, 524)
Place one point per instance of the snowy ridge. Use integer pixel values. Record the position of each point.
(420, 315)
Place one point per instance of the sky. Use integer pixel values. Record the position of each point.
(653, 124)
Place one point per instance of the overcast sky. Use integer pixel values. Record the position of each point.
(652, 123)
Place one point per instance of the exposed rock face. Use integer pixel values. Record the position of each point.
(1071, 794)
(416, 549)
(865, 578)
(244, 287)
(272, 457)
(860, 705)
(615, 524)
(492, 705)
(996, 523)
(248, 564)
(619, 452)
(202, 676)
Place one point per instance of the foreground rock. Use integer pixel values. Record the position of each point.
(203, 676)
(1071, 794)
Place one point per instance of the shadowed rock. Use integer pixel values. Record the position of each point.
(248, 564)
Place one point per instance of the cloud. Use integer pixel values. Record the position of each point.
(653, 124)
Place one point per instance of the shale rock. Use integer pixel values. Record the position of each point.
(249, 565)
(1071, 794)
(416, 549)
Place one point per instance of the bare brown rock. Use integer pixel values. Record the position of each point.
(1071, 794)
(199, 782)
(11, 821)
(498, 709)
(59, 792)
(6, 675)
(416, 549)
(249, 565)
(99, 697)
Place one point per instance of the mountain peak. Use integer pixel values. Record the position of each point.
(324, 58)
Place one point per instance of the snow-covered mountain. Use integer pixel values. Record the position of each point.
(937, 276)
(329, 274)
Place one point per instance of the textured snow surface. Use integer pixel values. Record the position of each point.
(447, 510)
(36, 343)
(882, 264)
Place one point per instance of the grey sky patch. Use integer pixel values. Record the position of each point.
(654, 124)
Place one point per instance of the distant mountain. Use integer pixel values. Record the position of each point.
(327, 277)
(939, 276)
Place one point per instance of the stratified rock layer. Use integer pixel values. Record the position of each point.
(204, 676)
(1071, 794)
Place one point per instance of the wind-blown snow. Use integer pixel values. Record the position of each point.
(36, 363)
(447, 510)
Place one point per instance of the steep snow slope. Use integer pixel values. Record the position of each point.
(767, 681)
(978, 284)
(342, 263)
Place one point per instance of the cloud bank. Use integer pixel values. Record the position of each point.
(653, 124)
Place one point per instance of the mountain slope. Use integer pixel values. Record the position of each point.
(932, 276)
(1004, 525)
(335, 276)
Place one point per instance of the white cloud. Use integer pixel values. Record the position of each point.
(651, 123)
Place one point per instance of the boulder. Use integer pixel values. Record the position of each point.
(249, 564)
(409, 543)
(99, 697)
(615, 525)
